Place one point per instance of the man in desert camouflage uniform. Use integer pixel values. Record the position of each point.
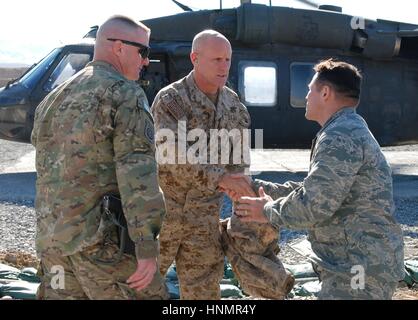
(346, 201)
(190, 234)
(94, 136)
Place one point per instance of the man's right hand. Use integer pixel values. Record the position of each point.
(143, 275)
(250, 209)
(236, 185)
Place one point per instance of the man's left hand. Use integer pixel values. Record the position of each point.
(143, 275)
(250, 209)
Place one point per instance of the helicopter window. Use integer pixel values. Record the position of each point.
(32, 77)
(300, 76)
(69, 66)
(258, 83)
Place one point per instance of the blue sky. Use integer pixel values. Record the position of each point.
(30, 29)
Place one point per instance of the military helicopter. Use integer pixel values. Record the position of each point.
(274, 50)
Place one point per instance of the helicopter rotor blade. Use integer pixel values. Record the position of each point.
(185, 8)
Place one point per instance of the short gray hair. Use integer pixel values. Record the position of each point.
(203, 36)
(128, 22)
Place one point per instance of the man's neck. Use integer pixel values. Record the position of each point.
(213, 97)
(331, 112)
(204, 86)
(115, 64)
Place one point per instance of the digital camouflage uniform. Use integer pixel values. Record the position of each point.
(346, 204)
(190, 233)
(94, 135)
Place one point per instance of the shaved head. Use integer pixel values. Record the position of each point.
(120, 27)
(205, 37)
(211, 59)
(118, 42)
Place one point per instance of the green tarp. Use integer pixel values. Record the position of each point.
(22, 284)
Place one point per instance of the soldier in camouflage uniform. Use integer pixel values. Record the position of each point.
(190, 233)
(94, 136)
(346, 201)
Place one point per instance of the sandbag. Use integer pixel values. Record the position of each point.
(19, 290)
(411, 272)
(18, 284)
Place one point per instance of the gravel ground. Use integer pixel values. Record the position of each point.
(408, 147)
(10, 152)
(17, 215)
(17, 227)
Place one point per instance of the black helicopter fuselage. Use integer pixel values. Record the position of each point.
(274, 50)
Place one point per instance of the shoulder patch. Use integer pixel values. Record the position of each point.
(149, 131)
(173, 107)
(143, 103)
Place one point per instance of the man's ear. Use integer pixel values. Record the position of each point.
(193, 58)
(326, 92)
(117, 48)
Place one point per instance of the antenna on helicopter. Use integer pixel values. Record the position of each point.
(309, 3)
(185, 8)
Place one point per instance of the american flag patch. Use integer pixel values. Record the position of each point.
(175, 109)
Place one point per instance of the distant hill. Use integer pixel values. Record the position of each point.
(9, 73)
(13, 65)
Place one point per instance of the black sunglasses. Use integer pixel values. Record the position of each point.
(144, 50)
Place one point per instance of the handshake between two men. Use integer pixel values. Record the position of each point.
(248, 205)
(250, 242)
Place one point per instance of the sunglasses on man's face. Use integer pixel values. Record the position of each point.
(144, 50)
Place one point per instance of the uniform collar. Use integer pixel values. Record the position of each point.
(103, 64)
(343, 111)
(201, 96)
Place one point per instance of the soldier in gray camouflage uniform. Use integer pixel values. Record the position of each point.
(346, 201)
(93, 136)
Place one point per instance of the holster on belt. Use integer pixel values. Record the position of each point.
(111, 206)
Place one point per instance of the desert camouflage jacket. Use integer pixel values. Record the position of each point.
(181, 108)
